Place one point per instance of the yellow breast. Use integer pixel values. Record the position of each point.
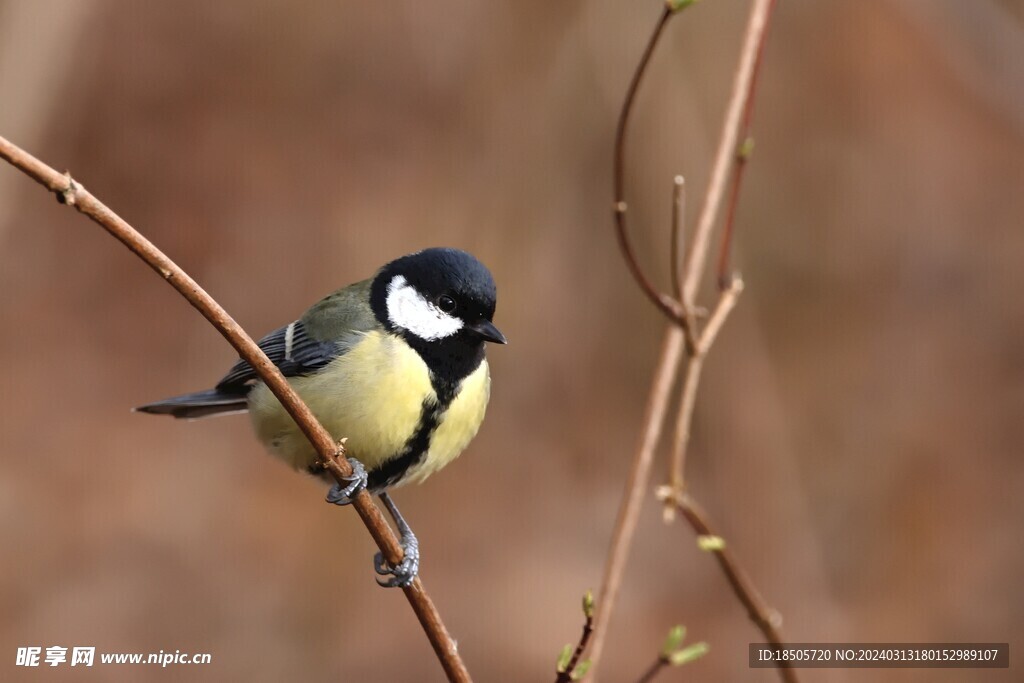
(374, 396)
(458, 425)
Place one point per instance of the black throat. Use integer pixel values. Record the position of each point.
(449, 360)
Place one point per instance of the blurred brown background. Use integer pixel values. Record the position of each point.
(858, 432)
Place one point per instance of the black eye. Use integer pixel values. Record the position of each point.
(446, 303)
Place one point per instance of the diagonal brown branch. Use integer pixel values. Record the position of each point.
(330, 454)
(766, 619)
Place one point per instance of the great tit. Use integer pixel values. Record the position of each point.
(395, 364)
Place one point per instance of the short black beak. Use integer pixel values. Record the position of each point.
(486, 330)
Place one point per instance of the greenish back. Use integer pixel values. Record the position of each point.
(343, 316)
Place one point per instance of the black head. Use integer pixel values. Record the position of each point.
(441, 301)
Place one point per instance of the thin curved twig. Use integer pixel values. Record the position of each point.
(331, 455)
(666, 304)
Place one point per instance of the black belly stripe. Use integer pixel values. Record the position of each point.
(415, 449)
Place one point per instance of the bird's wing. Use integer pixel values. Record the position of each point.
(291, 349)
(327, 330)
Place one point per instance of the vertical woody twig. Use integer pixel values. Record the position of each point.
(681, 309)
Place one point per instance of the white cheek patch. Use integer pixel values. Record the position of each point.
(409, 310)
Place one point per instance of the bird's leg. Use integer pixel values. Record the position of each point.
(403, 574)
(344, 495)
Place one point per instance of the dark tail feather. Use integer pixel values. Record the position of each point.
(199, 404)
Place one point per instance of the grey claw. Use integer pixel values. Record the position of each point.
(406, 571)
(340, 495)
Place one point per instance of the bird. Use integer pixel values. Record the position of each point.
(394, 364)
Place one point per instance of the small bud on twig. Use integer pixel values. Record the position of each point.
(673, 641)
(581, 670)
(745, 149)
(710, 544)
(588, 604)
(563, 658)
(688, 654)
